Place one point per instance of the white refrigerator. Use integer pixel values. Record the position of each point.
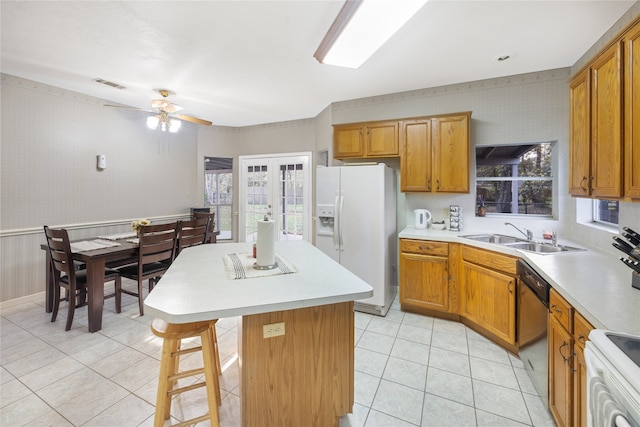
(356, 226)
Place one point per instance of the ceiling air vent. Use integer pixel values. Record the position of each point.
(108, 83)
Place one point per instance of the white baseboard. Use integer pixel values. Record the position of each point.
(38, 298)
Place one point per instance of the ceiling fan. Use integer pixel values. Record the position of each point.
(166, 113)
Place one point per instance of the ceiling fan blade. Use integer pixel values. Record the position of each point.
(193, 119)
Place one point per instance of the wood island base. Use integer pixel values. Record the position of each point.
(303, 377)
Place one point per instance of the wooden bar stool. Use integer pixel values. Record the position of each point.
(170, 373)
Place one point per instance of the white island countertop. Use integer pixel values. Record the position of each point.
(196, 286)
(595, 283)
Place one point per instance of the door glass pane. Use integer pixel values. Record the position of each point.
(290, 221)
(218, 193)
(257, 203)
(275, 187)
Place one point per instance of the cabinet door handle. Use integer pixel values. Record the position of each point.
(429, 184)
(591, 178)
(581, 338)
(564, 344)
(510, 286)
(437, 184)
(584, 178)
(573, 368)
(553, 308)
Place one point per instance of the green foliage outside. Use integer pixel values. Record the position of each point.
(534, 195)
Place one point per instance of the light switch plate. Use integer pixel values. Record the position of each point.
(273, 330)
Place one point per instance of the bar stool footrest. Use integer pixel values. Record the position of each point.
(186, 388)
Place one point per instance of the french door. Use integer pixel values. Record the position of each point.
(278, 187)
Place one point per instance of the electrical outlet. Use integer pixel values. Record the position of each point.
(273, 330)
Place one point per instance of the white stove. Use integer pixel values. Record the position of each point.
(613, 372)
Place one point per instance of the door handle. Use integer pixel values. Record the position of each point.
(336, 224)
(584, 178)
(564, 344)
(341, 236)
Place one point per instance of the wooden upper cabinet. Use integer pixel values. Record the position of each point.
(348, 141)
(381, 139)
(364, 140)
(435, 154)
(606, 124)
(415, 169)
(451, 154)
(580, 135)
(632, 112)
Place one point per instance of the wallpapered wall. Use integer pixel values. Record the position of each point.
(518, 109)
(50, 139)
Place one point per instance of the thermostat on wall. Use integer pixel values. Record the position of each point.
(102, 161)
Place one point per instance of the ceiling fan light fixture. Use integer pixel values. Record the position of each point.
(361, 28)
(174, 126)
(152, 122)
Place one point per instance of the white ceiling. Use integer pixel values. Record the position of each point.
(239, 63)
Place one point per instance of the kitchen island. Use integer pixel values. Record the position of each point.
(299, 369)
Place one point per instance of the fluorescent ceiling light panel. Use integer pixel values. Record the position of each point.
(361, 27)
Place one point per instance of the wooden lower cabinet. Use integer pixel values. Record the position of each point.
(488, 294)
(560, 373)
(424, 275)
(485, 299)
(568, 333)
(304, 377)
(581, 330)
(579, 387)
(488, 299)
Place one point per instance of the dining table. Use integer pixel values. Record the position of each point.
(96, 257)
(296, 325)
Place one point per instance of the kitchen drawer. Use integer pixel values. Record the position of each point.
(424, 247)
(561, 310)
(581, 329)
(490, 259)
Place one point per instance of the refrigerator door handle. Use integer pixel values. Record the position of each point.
(336, 223)
(340, 226)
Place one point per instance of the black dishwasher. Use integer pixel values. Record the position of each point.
(533, 314)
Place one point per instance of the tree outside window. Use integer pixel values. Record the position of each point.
(515, 179)
(218, 193)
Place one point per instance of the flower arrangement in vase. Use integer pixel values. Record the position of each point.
(136, 224)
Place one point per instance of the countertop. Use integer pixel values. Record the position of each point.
(196, 286)
(595, 283)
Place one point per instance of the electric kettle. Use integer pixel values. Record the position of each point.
(423, 217)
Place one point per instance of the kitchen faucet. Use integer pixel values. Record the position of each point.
(528, 234)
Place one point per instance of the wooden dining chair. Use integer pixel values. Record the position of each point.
(66, 275)
(211, 228)
(156, 251)
(192, 233)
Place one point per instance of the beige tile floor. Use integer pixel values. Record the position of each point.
(411, 370)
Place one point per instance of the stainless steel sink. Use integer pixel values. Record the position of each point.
(542, 248)
(522, 244)
(499, 239)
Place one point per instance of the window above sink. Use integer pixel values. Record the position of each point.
(516, 179)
